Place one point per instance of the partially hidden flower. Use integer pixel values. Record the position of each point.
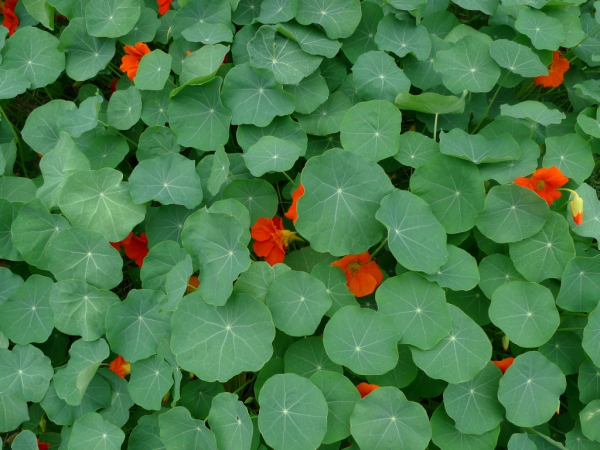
(292, 213)
(362, 274)
(120, 366)
(166, 397)
(123, 243)
(43, 445)
(164, 6)
(505, 342)
(576, 206)
(545, 183)
(504, 364)
(365, 389)
(136, 247)
(11, 21)
(271, 239)
(113, 85)
(193, 284)
(556, 72)
(131, 61)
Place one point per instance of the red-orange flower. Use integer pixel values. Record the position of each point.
(271, 239)
(365, 389)
(193, 284)
(131, 61)
(545, 182)
(43, 445)
(363, 274)
(120, 366)
(136, 247)
(123, 243)
(163, 6)
(556, 72)
(504, 364)
(11, 21)
(292, 213)
(113, 85)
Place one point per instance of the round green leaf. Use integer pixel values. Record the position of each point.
(156, 141)
(363, 39)
(417, 308)
(153, 71)
(386, 420)
(448, 437)
(81, 254)
(297, 302)
(336, 284)
(512, 213)
(472, 302)
(9, 283)
(25, 440)
(100, 202)
(254, 96)
(105, 151)
(307, 357)
(273, 11)
(564, 349)
(576, 440)
(496, 270)
(118, 411)
(580, 283)
(151, 379)
(293, 413)
(545, 32)
(460, 273)
(525, 312)
(258, 196)
(363, 340)
(402, 37)
(517, 58)
(530, 389)
(144, 30)
(230, 422)
(41, 131)
(178, 431)
(416, 149)
(479, 149)
(14, 413)
(202, 65)
(271, 154)
(281, 127)
(80, 309)
(571, 154)
(371, 129)
(521, 441)
(310, 38)
(588, 382)
(26, 315)
(135, 326)
(257, 279)
(591, 333)
(125, 108)
(339, 18)
(453, 188)
(327, 118)
(208, 33)
(378, 77)
(111, 18)
(416, 238)
(400, 376)
(26, 373)
(473, 405)
(342, 193)
(217, 343)
(460, 355)
(308, 93)
(93, 431)
(12, 83)
(197, 396)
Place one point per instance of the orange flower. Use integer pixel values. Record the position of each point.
(271, 239)
(292, 213)
(163, 6)
(363, 275)
(366, 388)
(120, 366)
(137, 249)
(545, 183)
(193, 284)
(124, 243)
(11, 21)
(113, 85)
(504, 364)
(131, 61)
(556, 72)
(43, 445)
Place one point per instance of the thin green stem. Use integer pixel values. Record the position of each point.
(244, 385)
(435, 127)
(48, 93)
(487, 110)
(119, 133)
(288, 177)
(570, 329)
(378, 249)
(543, 436)
(18, 142)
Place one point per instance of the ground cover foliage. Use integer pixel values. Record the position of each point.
(299, 224)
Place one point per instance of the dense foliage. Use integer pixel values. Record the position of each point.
(299, 224)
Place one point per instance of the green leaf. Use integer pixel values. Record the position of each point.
(160, 261)
(41, 11)
(370, 129)
(378, 77)
(151, 378)
(26, 373)
(293, 413)
(14, 413)
(8, 213)
(156, 141)
(521, 441)
(271, 154)
(125, 108)
(400, 376)
(100, 201)
(202, 65)
(307, 356)
(431, 103)
(256, 280)
(309, 93)
(254, 96)
(525, 312)
(363, 38)
(219, 172)
(512, 213)
(327, 118)
(33, 52)
(460, 273)
(417, 308)
(297, 302)
(460, 355)
(564, 349)
(508, 171)
(591, 333)
(545, 32)
(281, 127)
(145, 30)
(72, 380)
(530, 390)
(41, 131)
(179, 431)
(517, 58)
(155, 106)
(80, 309)
(478, 149)
(385, 419)
(572, 155)
(336, 284)
(26, 315)
(32, 231)
(106, 151)
(197, 396)
(258, 196)
(588, 382)
(9, 283)
(363, 340)
(208, 33)
(402, 38)
(453, 188)
(230, 422)
(545, 254)
(310, 38)
(580, 282)
(217, 343)
(590, 421)
(234, 209)
(25, 440)
(533, 111)
(416, 238)
(473, 405)
(496, 270)
(85, 118)
(167, 224)
(448, 437)
(274, 11)
(416, 149)
(467, 66)
(12, 83)
(111, 18)
(349, 187)
(93, 431)
(339, 18)
(281, 56)
(153, 71)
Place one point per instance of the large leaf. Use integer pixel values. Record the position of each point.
(545, 32)
(178, 431)
(378, 77)
(339, 18)
(580, 284)
(591, 333)
(92, 430)
(402, 38)
(151, 379)
(230, 421)
(26, 373)
(111, 18)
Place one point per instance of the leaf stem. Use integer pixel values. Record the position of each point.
(487, 110)
(543, 436)
(119, 133)
(288, 177)
(378, 249)
(245, 384)
(435, 127)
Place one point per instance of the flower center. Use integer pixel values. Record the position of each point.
(540, 185)
(353, 267)
(288, 236)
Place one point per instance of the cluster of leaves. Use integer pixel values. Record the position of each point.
(405, 122)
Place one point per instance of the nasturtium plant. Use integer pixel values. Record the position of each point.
(299, 224)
